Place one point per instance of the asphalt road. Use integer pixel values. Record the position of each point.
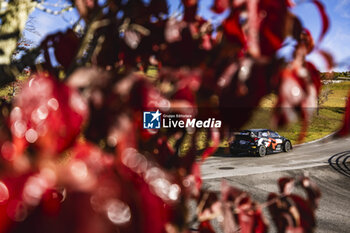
(327, 163)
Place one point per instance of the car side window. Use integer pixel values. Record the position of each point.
(264, 134)
(274, 134)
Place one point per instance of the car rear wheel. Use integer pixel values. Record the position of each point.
(287, 146)
(262, 151)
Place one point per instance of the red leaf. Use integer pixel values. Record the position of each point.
(51, 200)
(274, 40)
(66, 46)
(196, 172)
(313, 192)
(205, 227)
(247, 214)
(149, 188)
(144, 96)
(272, 26)
(220, 6)
(191, 7)
(306, 40)
(233, 30)
(260, 224)
(290, 212)
(158, 6)
(7, 148)
(189, 3)
(85, 7)
(324, 16)
(47, 114)
(327, 57)
(215, 137)
(298, 89)
(234, 101)
(315, 76)
(307, 216)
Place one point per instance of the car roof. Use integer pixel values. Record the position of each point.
(255, 130)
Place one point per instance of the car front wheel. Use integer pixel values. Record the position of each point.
(262, 151)
(287, 146)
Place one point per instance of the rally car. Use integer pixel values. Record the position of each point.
(259, 142)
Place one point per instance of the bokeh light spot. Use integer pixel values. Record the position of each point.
(4, 193)
(53, 104)
(118, 212)
(31, 135)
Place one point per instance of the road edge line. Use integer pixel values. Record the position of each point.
(323, 139)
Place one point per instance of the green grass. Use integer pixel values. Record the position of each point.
(326, 121)
(7, 92)
(339, 95)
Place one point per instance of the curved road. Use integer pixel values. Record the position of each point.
(327, 163)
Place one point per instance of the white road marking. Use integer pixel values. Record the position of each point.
(257, 170)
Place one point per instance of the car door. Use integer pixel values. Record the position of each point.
(265, 139)
(276, 141)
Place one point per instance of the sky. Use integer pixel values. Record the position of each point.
(336, 40)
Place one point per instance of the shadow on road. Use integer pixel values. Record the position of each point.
(340, 163)
(225, 152)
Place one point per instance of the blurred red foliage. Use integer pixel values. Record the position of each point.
(75, 156)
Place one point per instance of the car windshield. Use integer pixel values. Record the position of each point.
(260, 133)
(268, 134)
